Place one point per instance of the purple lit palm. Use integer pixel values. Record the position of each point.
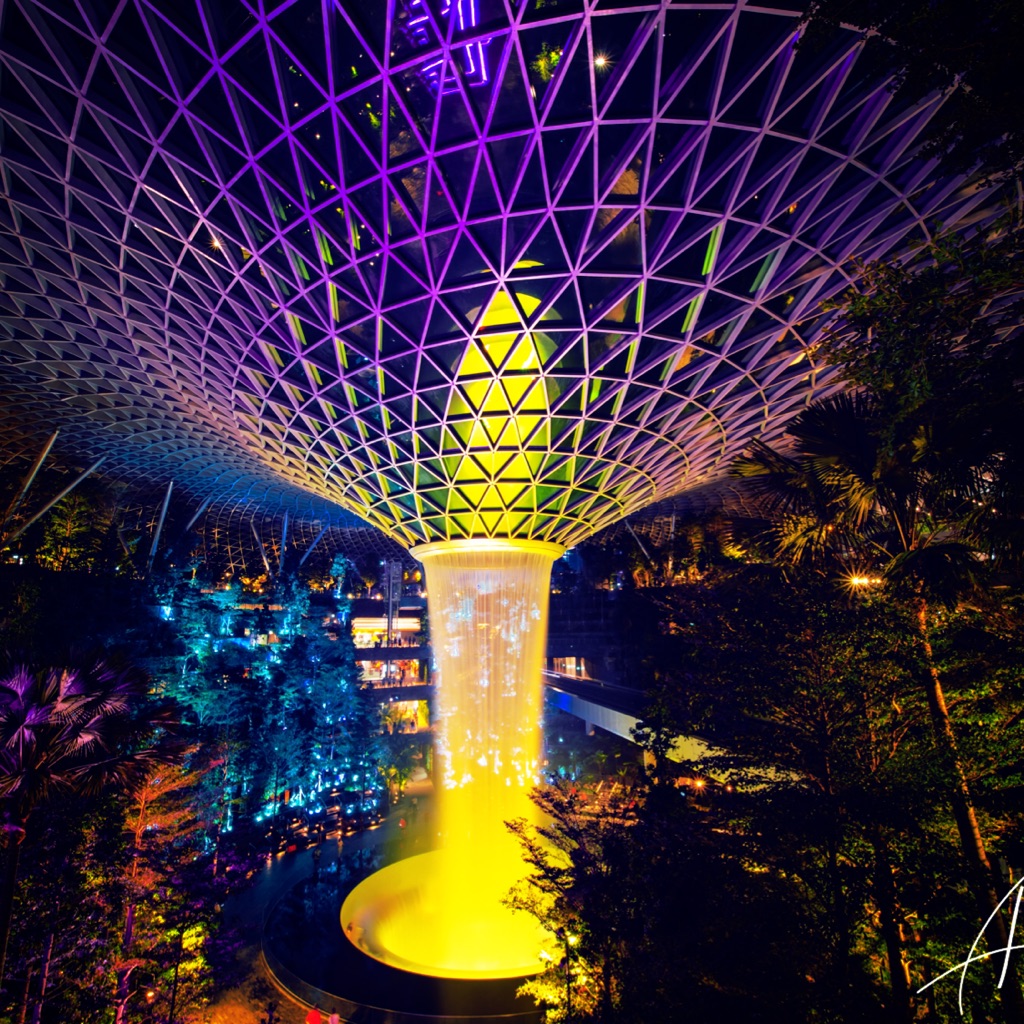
(73, 729)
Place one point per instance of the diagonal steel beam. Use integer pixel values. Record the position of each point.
(27, 482)
(46, 508)
(159, 527)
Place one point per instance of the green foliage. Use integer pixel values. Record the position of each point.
(546, 61)
(826, 734)
(655, 916)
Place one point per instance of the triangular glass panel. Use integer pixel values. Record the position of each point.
(757, 35)
(455, 123)
(530, 192)
(480, 93)
(302, 94)
(278, 164)
(227, 22)
(316, 137)
(749, 106)
(212, 108)
(356, 164)
(717, 195)
(598, 294)
(404, 219)
(543, 49)
(841, 132)
(411, 255)
(512, 110)
(693, 100)
(250, 67)
(317, 187)
(624, 79)
(420, 99)
(300, 26)
(573, 225)
(457, 169)
(370, 22)
(687, 34)
(363, 112)
(352, 62)
(484, 201)
(570, 103)
(439, 210)
(676, 187)
(409, 188)
(581, 187)
(407, 318)
(545, 249)
(404, 140)
(259, 129)
(517, 229)
(505, 156)
(188, 64)
(616, 144)
(285, 209)
(399, 285)
(246, 191)
(439, 246)
(470, 303)
(467, 263)
(561, 149)
(688, 263)
(797, 118)
(773, 156)
(106, 91)
(489, 238)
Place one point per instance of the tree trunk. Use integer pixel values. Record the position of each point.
(123, 990)
(37, 1012)
(23, 1012)
(606, 989)
(7, 890)
(892, 931)
(979, 869)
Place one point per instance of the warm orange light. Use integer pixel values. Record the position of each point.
(856, 580)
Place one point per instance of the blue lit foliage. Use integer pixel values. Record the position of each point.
(268, 675)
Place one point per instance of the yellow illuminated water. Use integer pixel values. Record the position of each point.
(441, 913)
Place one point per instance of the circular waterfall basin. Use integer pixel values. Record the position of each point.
(401, 918)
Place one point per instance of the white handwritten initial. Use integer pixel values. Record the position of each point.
(972, 958)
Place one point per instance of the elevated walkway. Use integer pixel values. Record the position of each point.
(611, 707)
(616, 709)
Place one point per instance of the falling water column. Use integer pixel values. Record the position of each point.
(488, 619)
(488, 604)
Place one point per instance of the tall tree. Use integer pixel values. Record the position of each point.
(913, 478)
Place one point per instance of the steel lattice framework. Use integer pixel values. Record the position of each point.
(463, 267)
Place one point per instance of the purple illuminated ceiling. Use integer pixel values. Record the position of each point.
(462, 267)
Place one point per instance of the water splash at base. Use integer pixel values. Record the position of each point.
(399, 916)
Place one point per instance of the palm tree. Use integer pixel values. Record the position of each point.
(75, 729)
(888, 510)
